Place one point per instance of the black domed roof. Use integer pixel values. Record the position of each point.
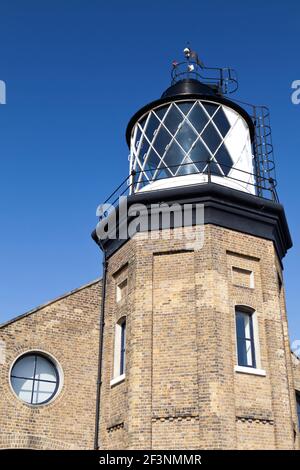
(190, 86)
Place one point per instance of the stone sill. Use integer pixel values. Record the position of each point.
(117, 380)
(244, 287)
(250, 370)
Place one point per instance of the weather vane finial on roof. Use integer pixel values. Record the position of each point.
(192, 55)
(191, 65)
(223, 79)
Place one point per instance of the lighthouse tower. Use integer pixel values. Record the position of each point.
(194, 350)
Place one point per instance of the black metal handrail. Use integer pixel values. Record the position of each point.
(224, 78)
(264, 187)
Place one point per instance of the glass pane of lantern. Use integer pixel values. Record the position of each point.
(214, 169)
(160, 112)
(198, 118)
(211, 137)
(152, 126)
(224, 159)
(199, 155)
(153, 161)
(174, 157)
(138, 137)
(163, 173)
(210, 108)
(162, 139)
(144, 149)
(221, 122)
(142, 122)
(173, 119)
(187, 168)
(186, 136)
(185, 106)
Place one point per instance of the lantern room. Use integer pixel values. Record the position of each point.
(194, 134)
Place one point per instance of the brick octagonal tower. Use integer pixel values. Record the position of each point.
(194, 350)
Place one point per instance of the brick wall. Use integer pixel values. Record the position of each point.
(181, 389)
(68, 330)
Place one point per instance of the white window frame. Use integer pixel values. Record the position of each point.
(117, 375)
(56, 364)
(257, 370)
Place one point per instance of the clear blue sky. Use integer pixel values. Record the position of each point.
(76, 71)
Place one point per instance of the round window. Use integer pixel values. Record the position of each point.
(34, 378)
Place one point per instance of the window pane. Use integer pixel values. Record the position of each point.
(22, 388)
(152, 126)
(161, 174)
(42, 391)
(173, 119)
(240, 325)
(186, 136)
(160, 112)
(44, 370)
(123, 336)
(249, 352)
(142, 122)
(144, 149)
(187, 168)
(214, 169)
(138, 137)
(210, 108)
(247, 319)
(123, 347)
(224, 159)
(245, 340)
(153, 160)
(244, 326)
(200, 155)
(162, 139)
(185, 106)
(174, 156)
(211, 137)
(221, 122)
(24, 367)
(242, 353)
(198, 117)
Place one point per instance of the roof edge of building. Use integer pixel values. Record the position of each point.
(46, 304)
(295, 355)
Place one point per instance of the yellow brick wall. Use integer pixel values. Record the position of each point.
(68, 330)
(181, 388)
